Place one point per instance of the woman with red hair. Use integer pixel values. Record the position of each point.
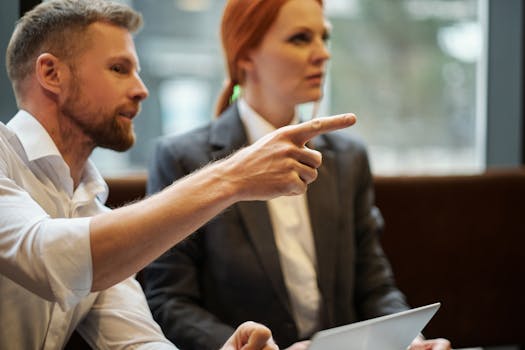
(297, 264)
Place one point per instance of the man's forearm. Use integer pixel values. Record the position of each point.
(127, 239)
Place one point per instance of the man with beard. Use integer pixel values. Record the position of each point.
(66, 260)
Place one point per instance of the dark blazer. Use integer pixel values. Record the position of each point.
(229, 272)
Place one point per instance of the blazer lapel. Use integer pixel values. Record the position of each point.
(257, 220)
(322, 194)
(228, 135)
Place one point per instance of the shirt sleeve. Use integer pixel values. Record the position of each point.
(49, 257)
(120, 318)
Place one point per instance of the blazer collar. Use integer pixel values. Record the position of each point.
(227, 133)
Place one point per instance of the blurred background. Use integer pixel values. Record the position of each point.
(437, 85)
(438, 88)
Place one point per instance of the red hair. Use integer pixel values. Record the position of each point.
(244, 24)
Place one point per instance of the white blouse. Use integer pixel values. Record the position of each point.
(293, 236)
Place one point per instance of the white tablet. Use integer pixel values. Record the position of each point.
(390, 332)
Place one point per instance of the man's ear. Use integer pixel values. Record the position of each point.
(50, 72)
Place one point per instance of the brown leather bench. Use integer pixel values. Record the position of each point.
(455, 239)
(460, 240)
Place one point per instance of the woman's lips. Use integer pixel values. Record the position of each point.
(315, 78)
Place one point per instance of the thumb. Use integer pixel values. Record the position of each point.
(258, 338)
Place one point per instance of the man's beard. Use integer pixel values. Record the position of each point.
(101, 126)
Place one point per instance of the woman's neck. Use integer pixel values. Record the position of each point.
(277, 113)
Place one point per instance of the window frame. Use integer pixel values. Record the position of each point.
(505, 127)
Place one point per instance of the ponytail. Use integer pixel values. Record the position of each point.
(224, 99)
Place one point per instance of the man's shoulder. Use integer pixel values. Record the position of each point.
(5, 133)
(7, 138)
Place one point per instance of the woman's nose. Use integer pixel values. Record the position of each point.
(322, 53)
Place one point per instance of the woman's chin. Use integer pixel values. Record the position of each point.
(313, 97)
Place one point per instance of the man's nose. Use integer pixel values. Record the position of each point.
(140, 91)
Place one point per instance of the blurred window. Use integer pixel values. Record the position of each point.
(410, 69)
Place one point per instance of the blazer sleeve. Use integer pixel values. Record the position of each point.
(171, 282)
(376, 292)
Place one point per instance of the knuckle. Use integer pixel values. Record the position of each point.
(289, 150)
(316, 124)
(314, 175)
(289, 165)
(283, 133)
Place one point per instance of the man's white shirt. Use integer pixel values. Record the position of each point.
(45, 256)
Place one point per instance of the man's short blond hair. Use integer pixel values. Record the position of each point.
(58, 27)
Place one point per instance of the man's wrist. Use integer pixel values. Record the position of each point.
(223, 182)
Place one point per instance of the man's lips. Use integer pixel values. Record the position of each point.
(128, 113)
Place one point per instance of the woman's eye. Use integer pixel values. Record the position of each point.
(301, 38)
(326, 37)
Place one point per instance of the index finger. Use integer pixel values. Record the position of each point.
(302, 133)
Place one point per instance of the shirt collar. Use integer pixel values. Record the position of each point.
(37, 144)
(256, 126)
(92, 182)
(34, 138)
